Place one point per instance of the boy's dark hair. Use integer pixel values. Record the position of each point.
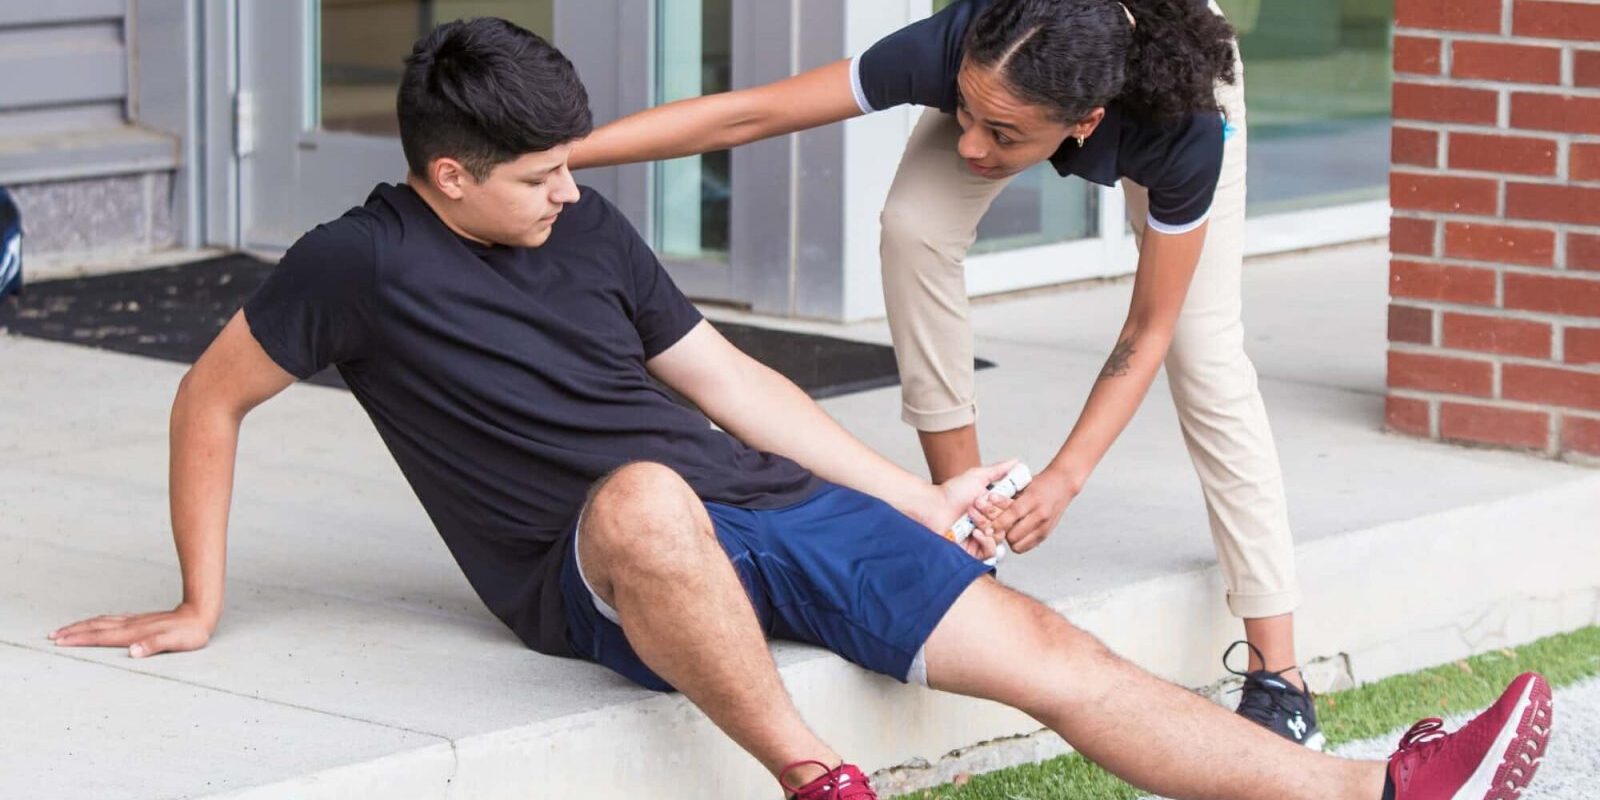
(485, 91)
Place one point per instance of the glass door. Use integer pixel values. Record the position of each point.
(318, 78)
(1317, 84)
(693, 57)
(317, 103)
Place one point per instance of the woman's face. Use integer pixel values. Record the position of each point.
(1001, 134)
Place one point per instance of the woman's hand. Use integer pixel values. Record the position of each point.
(1023, 522)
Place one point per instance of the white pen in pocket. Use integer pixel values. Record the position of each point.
(1015, 481)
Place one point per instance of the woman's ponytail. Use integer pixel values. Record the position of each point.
(1181, 50)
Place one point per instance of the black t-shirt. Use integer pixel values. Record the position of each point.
(1179, 163)
(505, 380)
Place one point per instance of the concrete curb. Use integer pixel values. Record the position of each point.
(1384, 600)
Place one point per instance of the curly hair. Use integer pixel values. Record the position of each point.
(1072, 56)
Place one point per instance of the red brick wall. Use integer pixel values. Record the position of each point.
(1494, 321)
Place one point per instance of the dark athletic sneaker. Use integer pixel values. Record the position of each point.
(1271, 701)
(843, 782)
(1493, 757)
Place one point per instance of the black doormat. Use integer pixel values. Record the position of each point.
(173, 313)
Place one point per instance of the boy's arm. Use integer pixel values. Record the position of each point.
(233, 376)
(767, 411)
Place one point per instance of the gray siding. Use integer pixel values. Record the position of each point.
(89, 176)
(63, 66)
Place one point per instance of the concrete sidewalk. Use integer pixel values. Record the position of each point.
(354, 661)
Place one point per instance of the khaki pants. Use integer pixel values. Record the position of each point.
(929, 222)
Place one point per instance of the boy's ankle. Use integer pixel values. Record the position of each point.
(801, 773)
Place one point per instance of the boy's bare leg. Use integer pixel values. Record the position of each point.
(648, 549)
(1001, 645)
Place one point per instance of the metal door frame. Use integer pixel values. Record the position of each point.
(762, 269)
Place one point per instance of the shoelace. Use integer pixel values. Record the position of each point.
(1421, 742)
(1260, 705)
(839, 786)
(1424, 732)
(1424, 738)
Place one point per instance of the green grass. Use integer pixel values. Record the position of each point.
(1361, 713)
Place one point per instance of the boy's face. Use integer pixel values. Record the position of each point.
(516, 204)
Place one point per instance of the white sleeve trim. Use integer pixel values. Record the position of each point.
(855, 86)
(1173, 230)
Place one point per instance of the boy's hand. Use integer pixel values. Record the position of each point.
(183, 628)
(966, 494)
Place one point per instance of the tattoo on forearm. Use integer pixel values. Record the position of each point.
(1117, 364)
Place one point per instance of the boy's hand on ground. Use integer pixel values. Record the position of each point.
(183, 628)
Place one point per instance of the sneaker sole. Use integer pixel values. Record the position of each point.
(1509, 765)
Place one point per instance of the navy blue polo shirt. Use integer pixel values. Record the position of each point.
(1178, 162)
(506, 380)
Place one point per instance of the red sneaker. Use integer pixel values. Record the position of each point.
(843, 782)
(1493, 757)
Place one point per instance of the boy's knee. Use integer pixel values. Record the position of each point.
(642, 513)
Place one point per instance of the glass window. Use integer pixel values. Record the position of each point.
(1317, 89)
(693, 57)
(1317, 83)
(362, 45)
(1039, 207)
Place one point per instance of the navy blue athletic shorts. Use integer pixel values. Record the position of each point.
(842, 570)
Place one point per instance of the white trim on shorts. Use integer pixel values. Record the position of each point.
(600, 605)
